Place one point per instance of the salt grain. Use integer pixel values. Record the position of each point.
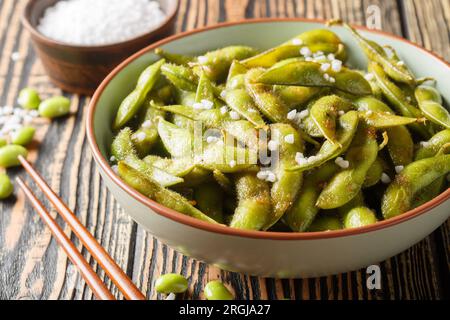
(399, 169)
(234, 115)
(147, 124)
(141, 136)
(305, 51)
(272, 145)
(100, 22)
(291, 114)
(385, 178)
(232, 163)
(297, 42)
(369, 76)
(289, 139)
(15, 56)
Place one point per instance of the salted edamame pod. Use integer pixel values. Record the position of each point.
(346, 129)
(285, 189)
(133, 102)
(414, 177)
(304, 210)
(324, 113)
(254, 205)
(376, 53)
(431, 147)
(217, 63)
(311, 74)
(430, 103)
(122, 149)
(346, 184)
(152, 189)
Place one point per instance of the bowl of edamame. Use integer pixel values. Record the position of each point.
(278, 147)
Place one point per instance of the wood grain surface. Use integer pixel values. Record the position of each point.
(33, 267)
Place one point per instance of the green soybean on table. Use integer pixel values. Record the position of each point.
(32, 266)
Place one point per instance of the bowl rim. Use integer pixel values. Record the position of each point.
(222, 229)
(25, 17)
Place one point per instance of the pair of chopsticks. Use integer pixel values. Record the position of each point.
(114, 272)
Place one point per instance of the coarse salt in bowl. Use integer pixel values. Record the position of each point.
(100, 22)
(79, 47)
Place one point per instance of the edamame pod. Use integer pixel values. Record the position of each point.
(254, 205)
(285, 189)
(324, 113)
(431, 147)
(397, 98)
(310, 74)
(133, 102)
(304, 210)
(175, 58)
(147, 135)
(241, 103)
(359, 217)
(430, 102)
(346, 129)
(346, 184)
(177, 141)
(414, 177)
(217, 63)
(181, 77)
(376, 53)
(400, 144)
(152, 189)
(123, 149)
(271, 105)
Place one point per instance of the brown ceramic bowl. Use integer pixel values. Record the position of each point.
(80, 69)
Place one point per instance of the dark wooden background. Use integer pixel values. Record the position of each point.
(33, 267)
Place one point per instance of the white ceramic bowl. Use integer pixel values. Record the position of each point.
(271, 254)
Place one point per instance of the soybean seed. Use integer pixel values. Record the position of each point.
(54, 107)
(215, 290)
(29, 99)
(171, 283)
(6, 187)
(23, 136)
(9, 155)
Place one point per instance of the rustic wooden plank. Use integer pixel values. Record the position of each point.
(33, 267)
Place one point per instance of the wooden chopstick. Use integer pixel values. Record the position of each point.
(95, 283)
(114, 272)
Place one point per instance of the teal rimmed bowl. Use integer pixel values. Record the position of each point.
(274, 254)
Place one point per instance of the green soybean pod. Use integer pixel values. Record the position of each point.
(171, 283)
(23, 136)
(9, 155)
(215, 290)
(29, 99)
(3, 142)
(398, 197)
(54, 107)
(6, 187)
(359, 217)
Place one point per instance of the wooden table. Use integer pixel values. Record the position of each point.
(33, 267)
